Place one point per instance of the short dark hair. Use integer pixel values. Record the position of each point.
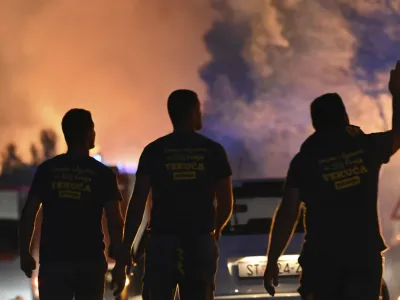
(328, 111)
(180, 104)
(76, 123)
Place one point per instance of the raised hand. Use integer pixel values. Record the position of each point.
(394, 82)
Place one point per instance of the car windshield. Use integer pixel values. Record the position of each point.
(255, 205)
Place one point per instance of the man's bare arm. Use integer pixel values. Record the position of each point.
(27, 223)
(394, 87)
(224, 202)
(115, 226)
(396, 123)
(284, 222)
(136, 209)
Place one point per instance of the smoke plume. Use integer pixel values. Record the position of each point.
(271, 58)
(274, 57)
(119, 59)
(256, 65)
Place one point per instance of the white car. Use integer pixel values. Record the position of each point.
(243, 245)
(244, 242)
(242, 260)
(14, 285)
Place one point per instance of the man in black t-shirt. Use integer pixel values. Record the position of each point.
(335, 175)
(185, 171)
(73, 189)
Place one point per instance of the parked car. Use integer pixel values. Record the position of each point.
(244, 243)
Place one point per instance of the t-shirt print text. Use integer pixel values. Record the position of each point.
(185, 163)
(344, 170)
(71, 183)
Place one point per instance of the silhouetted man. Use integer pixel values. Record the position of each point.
(185, 172)
(335, 175)
(73, 189)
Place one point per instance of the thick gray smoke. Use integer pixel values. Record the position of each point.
(260, 62)
(273, 57)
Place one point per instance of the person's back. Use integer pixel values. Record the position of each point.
(74, 192)
(339, 186)
(73, 189)
(185, 172)
(185, 168)
(336, 174)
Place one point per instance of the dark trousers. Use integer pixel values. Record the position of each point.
(64, 281)
(347, 278)
(189, 262)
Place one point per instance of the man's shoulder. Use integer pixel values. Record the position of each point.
(86, 162)
(157, 143)
(51, 162)
(99, 166)
(208, 142)
(298, 159)
(199, 140)
(377, 135)
(355, 131)
(309, 142)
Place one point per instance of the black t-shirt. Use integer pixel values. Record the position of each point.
(73, 190)
(337, 175)
(183, 169)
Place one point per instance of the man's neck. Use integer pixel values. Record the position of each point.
(78, 150)
(333, 129)
(184, 130)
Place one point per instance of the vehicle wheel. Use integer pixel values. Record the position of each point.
(385, 292)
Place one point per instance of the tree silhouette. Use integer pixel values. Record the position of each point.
(11, 160)
(48, 139)
(35, 156)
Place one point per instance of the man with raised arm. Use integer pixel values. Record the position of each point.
(335, 175)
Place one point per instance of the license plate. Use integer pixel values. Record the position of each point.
(286, 268)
